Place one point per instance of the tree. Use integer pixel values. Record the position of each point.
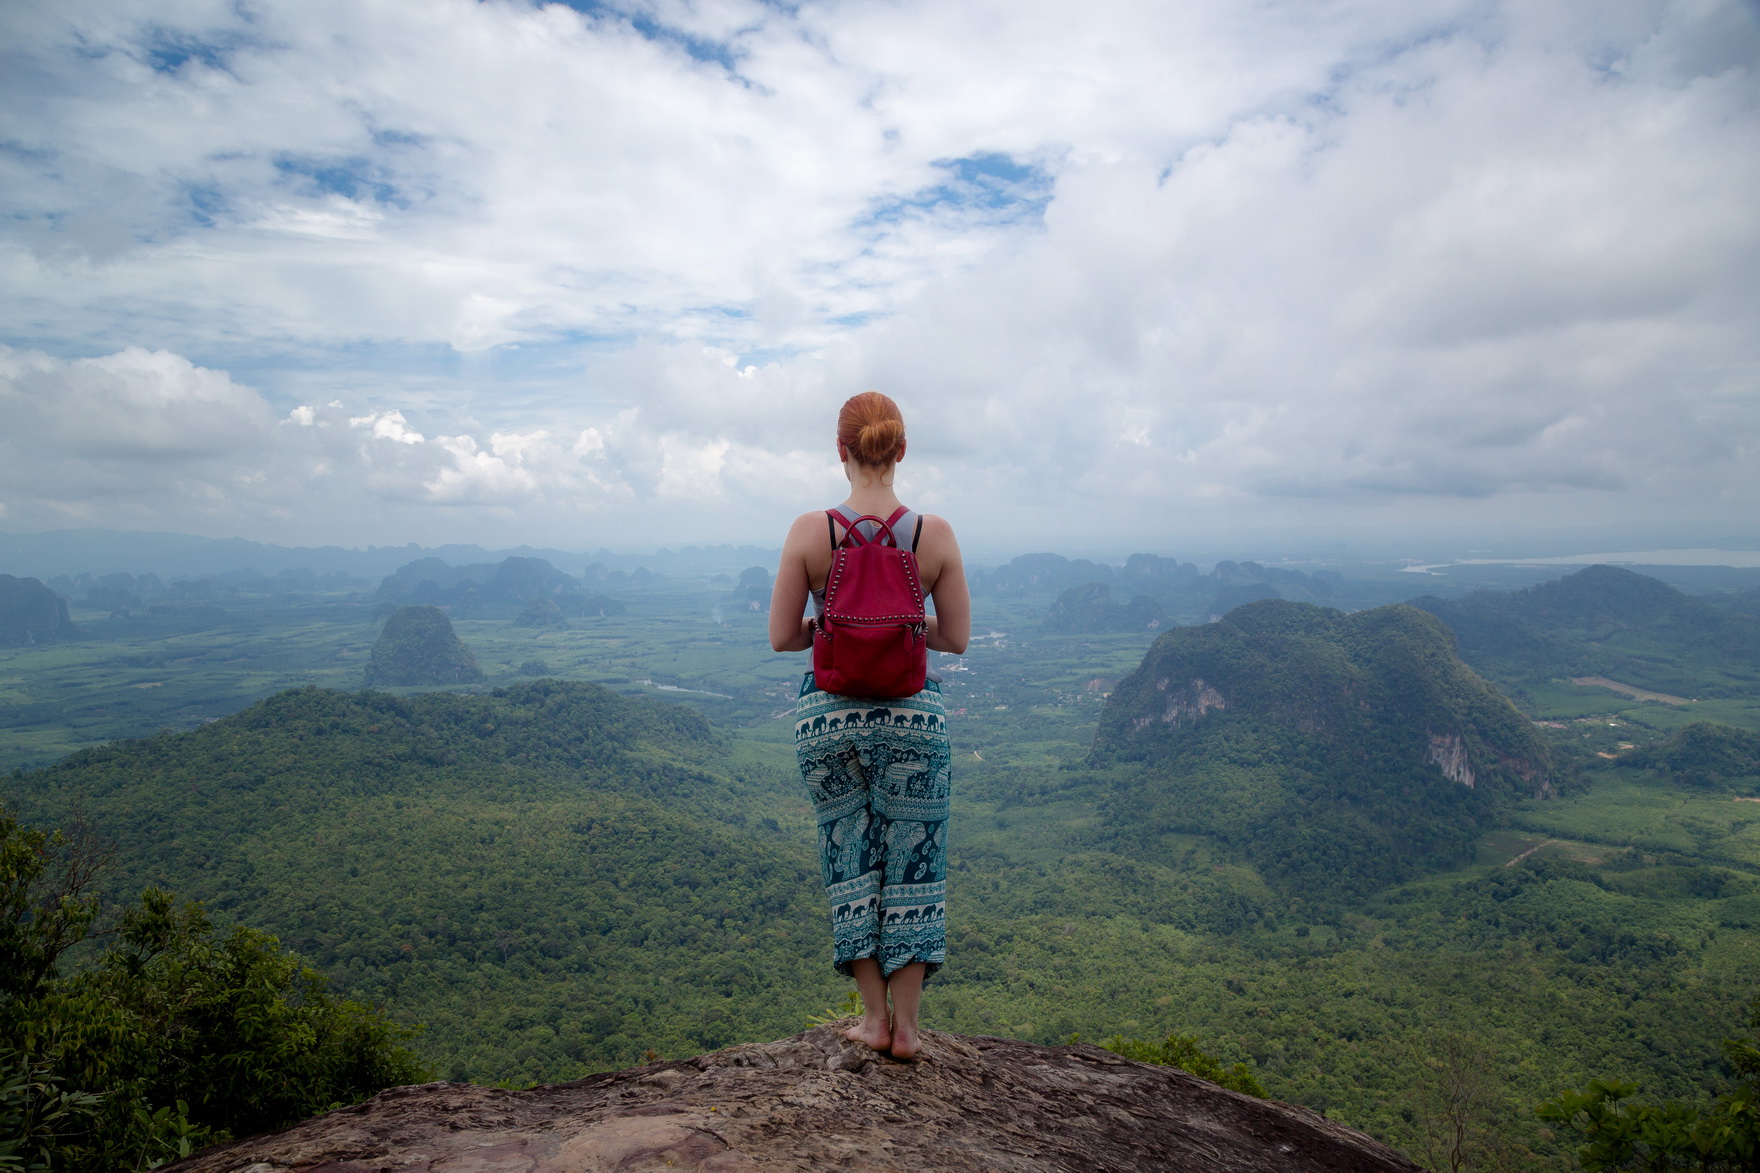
(46, 905)
(1460, 1103)
(175, 1036)
(1183, 1052)
(1618, 1134)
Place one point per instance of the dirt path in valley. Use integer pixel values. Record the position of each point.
(1637, 694)
(1524, 855)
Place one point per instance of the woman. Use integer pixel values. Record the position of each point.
(880, 785)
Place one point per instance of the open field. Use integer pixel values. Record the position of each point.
(1561, 700)
(1637, 694)
(1634, 809)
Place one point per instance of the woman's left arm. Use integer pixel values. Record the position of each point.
(951, 625)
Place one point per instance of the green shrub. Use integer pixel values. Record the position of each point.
(1618, 1133)
(173, 1037)
(1183, 1052)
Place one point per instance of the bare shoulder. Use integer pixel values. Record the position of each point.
(939, 530)
(805, 527)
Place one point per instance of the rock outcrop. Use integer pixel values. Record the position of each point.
(817, 1102)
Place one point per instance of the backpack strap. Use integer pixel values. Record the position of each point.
(883, 535)
(836, 517)
(833, 519)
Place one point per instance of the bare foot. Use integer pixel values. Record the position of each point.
(875, 1034)
(905, 1042)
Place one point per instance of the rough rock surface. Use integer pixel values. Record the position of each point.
(818, 1102)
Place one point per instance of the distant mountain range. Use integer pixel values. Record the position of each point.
(1161, 591)
(513, 581)
(1606, 621)
(102, 552)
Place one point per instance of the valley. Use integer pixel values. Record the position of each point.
(601, 851)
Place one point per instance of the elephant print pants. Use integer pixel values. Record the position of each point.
(878, 772)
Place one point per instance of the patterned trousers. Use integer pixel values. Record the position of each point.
(878, 772)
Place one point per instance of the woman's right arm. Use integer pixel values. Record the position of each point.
(789, 629)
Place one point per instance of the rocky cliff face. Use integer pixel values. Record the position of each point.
(816, 1102)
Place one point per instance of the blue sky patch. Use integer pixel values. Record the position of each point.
(352, 178)
(207, 203)
(698, 48)
(993, 186)
(398, 138)
(169, 50)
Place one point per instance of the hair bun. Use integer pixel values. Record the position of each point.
(871, 428)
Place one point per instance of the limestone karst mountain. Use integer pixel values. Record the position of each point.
(817, 1102)
(1337, 753)
(418, 647)
(1707, 756)
(1165, 584)
(512, 582)
(1088, 608)
(752, 592)
(31, 613)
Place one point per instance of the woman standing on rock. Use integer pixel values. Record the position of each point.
(877, 764)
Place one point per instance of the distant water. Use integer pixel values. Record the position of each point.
(1742, 559)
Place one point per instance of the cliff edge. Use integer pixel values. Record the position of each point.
(815, 1102)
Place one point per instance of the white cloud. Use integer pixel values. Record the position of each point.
(384, 425)
(132, 407)
(1222, 264)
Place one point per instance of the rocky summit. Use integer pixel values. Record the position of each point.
(819, 1102)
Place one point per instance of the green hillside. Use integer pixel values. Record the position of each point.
(1706, 756)
(1606, 622)
(1338, 753)
(552, 877)
(1091, 608)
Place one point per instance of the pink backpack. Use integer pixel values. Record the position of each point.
(873, 640)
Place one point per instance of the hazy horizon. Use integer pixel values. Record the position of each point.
(98, 552)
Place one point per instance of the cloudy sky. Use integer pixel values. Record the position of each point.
(1140, 273)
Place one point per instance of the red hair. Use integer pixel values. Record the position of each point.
(870, 428)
